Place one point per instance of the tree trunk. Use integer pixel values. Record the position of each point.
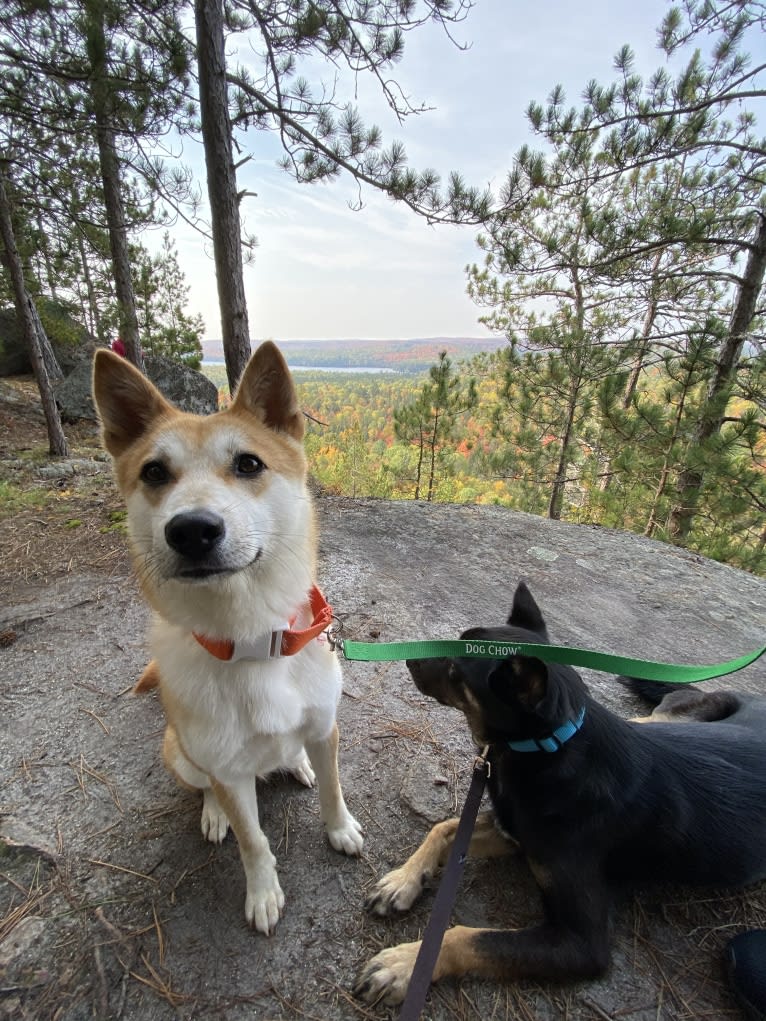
(94, 316)
(27, 315)
(691, 478)
(110, 176)
(222, 186)
(421, 455)
(556, 501)
(50, 274)
(761, 547)
(432, 444)
(646, 330)
(47, 353)
(652, 521)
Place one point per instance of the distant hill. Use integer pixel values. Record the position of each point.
(413, 355)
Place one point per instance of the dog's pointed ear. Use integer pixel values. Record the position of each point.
(126, 401)
(521, 679)
(267, 391)
(525, 612)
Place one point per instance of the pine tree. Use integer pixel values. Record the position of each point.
(115, 72)
(161, 296)
(428, 422)
(568, 324)
(704, 115)
(27, 316)
(647, 439)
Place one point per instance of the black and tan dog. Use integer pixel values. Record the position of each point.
(591, 800)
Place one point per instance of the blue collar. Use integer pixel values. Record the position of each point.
(558, 738)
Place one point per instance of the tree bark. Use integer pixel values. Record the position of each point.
(27, 315)
(110, 176)
(646, 330)
(432, 444)
(652, 521)
(421, 455)
(94, 316)
(556, 501)
(47, 353)
(691, 478)
(222, 186)
(50, 275)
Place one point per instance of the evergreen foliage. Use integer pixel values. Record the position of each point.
(161, 295)
(696, 131)
(428, 422)
(107, 79)
(306, 53)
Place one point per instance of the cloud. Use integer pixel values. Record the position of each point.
(325, 270)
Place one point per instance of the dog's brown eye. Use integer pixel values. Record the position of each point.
(248, 464)
(155, 473)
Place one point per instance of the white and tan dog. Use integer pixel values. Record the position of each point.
(223, 538)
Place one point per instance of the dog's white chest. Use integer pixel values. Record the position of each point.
(246, 716)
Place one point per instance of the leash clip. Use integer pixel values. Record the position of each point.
(333, 635)
(481, 762)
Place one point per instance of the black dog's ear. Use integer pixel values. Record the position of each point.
(525, 612)
(521, 679)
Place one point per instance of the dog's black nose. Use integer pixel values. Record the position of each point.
(194, 534)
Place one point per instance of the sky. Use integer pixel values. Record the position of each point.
(325, 271)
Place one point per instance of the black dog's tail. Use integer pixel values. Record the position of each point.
(652, 691)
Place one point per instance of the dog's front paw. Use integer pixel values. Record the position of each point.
(214, 823)
(264, 902)
(396, 891)
(346, 836)
(386, 977)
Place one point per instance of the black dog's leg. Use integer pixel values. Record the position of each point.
(573, 943)
(398, 890)
(681, 702)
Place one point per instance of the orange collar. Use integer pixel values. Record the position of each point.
(275, 643)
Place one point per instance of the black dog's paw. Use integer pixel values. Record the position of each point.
(386, 977)
(397, 891)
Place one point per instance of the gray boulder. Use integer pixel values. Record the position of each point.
(14, 359)
(188, 389)
(70, 340)
(73, 394)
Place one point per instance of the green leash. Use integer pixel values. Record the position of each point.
(648, 670)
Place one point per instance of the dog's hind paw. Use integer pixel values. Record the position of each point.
(385, 978)
(396, 891)
(346, 837)
(214, 823)
(303, 772)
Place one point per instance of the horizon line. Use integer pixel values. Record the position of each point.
(361, 340)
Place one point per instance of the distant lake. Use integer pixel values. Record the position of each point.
(321, 368)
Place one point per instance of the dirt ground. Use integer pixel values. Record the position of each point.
(111, 903)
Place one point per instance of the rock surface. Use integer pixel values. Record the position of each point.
(128, 913)
(70, 340)
(188, 389)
